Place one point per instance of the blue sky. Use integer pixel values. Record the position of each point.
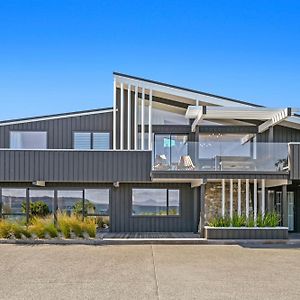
(58, 56)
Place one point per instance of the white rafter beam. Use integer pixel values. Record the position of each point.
(275, 119)
(200, 116)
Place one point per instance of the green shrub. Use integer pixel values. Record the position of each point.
(37, 227)
(18, 230)
(5, 229)
(238, 221)
(64, 224)
(271, 219)
(260, 220)
(219, 221)
(88, 207)
(89, 226)
(51, 230)
(43, 226)
(250, 221)
(36, 209)
(76, 226)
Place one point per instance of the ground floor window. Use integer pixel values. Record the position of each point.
(42, 198)
(29, 202)
(96, 201)
(13, 202)
(155, 202)
(70, 201)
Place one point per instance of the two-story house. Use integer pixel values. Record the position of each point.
(163, 158)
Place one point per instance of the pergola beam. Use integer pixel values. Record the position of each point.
(276, 119)
(200, 116)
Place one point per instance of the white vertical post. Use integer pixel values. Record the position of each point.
(136, 94)
(231, 198)
(129, 118)
(122, 117)
(150, 122)
(143, 119)
(255, 200)
(263, 197)
(223, 197)
(115, 116)
(247, 197)
(239, 197)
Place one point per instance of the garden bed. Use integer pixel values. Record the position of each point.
(235, 233)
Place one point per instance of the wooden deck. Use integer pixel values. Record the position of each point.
(148, 235)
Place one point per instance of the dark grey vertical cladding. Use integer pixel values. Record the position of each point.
(294, 161)
(279, 134)
(75, 166)
(297, 209)
(60, 130)
(123, 221)
(125, 116)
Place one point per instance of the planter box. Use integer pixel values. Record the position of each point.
(235, 233)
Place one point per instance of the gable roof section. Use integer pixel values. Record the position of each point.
(56, 116)
(182, 89)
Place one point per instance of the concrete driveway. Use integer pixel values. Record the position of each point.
(148, 272)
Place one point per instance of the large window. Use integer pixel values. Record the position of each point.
(91, 140)
(96, 201)
(70, 201)
(155, 202)
(46, 196)
(13, 201)
(28, 140)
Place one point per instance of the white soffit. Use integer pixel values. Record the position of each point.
(182, 95)
(242, 113)
(292, 122)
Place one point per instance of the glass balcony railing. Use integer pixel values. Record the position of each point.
(220, 156)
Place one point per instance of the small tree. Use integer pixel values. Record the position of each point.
(36, 209)
(88, 206)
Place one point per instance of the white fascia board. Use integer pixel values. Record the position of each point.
(242, 113)
(275, 119)
(37, 119)
(180, 93)
(247, 138)
(200, 116)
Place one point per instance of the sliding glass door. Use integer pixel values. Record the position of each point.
(170, 151)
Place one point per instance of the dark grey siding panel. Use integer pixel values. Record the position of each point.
(123, 221)
(294, 161)
(279, 134)
(75, 166)
(60, 131)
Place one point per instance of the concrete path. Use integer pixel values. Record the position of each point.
(149, 272)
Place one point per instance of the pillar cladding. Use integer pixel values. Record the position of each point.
(202, 210)
(284, 206)
(213, 198)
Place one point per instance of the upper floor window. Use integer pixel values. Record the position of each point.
(28, 139)
(91, 140)
(219, 144)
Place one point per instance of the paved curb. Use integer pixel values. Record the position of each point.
(148, 241)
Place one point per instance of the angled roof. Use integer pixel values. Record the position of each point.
(57, 116)
(186, 89)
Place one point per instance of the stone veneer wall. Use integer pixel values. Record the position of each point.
(213, 199)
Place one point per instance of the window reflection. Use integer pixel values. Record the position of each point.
(155, 202)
